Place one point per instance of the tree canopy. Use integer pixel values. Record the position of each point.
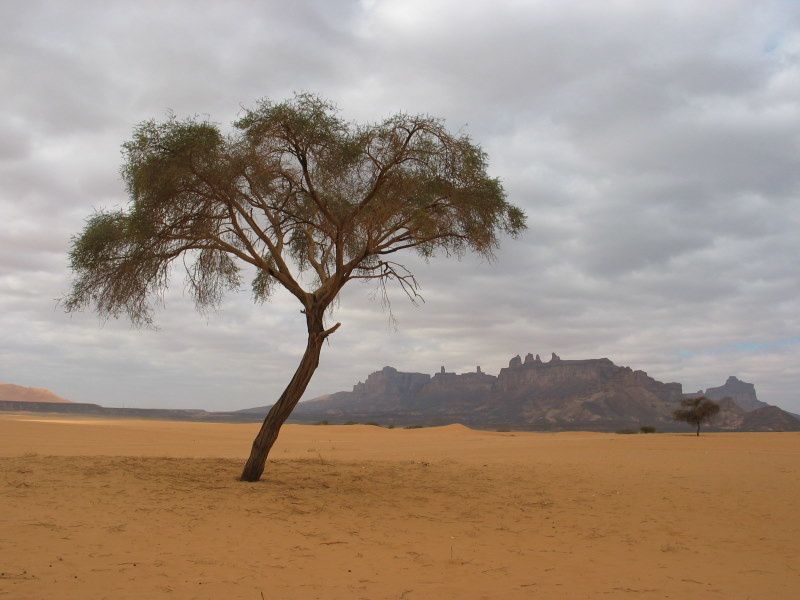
(304, 199)
(696, 411)
(294, 189)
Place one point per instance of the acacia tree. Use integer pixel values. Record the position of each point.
(308, 200)
(696, 411)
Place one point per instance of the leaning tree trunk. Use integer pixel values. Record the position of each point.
(281, 410)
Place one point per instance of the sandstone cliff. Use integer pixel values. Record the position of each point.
(592, 394)
(528, 394)
(742, 393)
(531, 394)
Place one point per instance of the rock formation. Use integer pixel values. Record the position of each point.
(592, 394)
(741, 392)
(558, 394)
(769, 418)
(730, 416)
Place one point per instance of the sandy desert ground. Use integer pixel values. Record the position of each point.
(147, 509)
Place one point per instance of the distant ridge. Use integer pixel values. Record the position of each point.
(770, 418)
(19, 393)
(529, 394)
(532, 394)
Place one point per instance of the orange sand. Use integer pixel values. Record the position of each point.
(147, 509)
(20, 393)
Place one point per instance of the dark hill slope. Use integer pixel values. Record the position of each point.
(530, 394)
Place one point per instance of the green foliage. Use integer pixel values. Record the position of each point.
(306, 200)
(263, 285)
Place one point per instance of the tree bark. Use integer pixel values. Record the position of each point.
(698, 430)
(280, 411)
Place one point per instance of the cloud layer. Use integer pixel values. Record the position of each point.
(656, 149)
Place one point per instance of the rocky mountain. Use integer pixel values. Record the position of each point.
(742, 393)
(769, 418)
(730, 416)
(593, 394)
(529, 394)
(19, 393)
(741, 410)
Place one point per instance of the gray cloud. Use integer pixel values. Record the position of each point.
(655, 148)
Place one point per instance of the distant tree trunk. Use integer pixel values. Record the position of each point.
(698, 429)
(254, 467)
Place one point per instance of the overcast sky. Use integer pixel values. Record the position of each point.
(654, 146)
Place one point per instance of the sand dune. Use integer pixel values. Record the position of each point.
(146, 509)
(20, 393)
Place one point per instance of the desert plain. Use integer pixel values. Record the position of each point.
(118, 509)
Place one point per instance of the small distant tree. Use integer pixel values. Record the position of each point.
(696, 411)
(304, 199)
